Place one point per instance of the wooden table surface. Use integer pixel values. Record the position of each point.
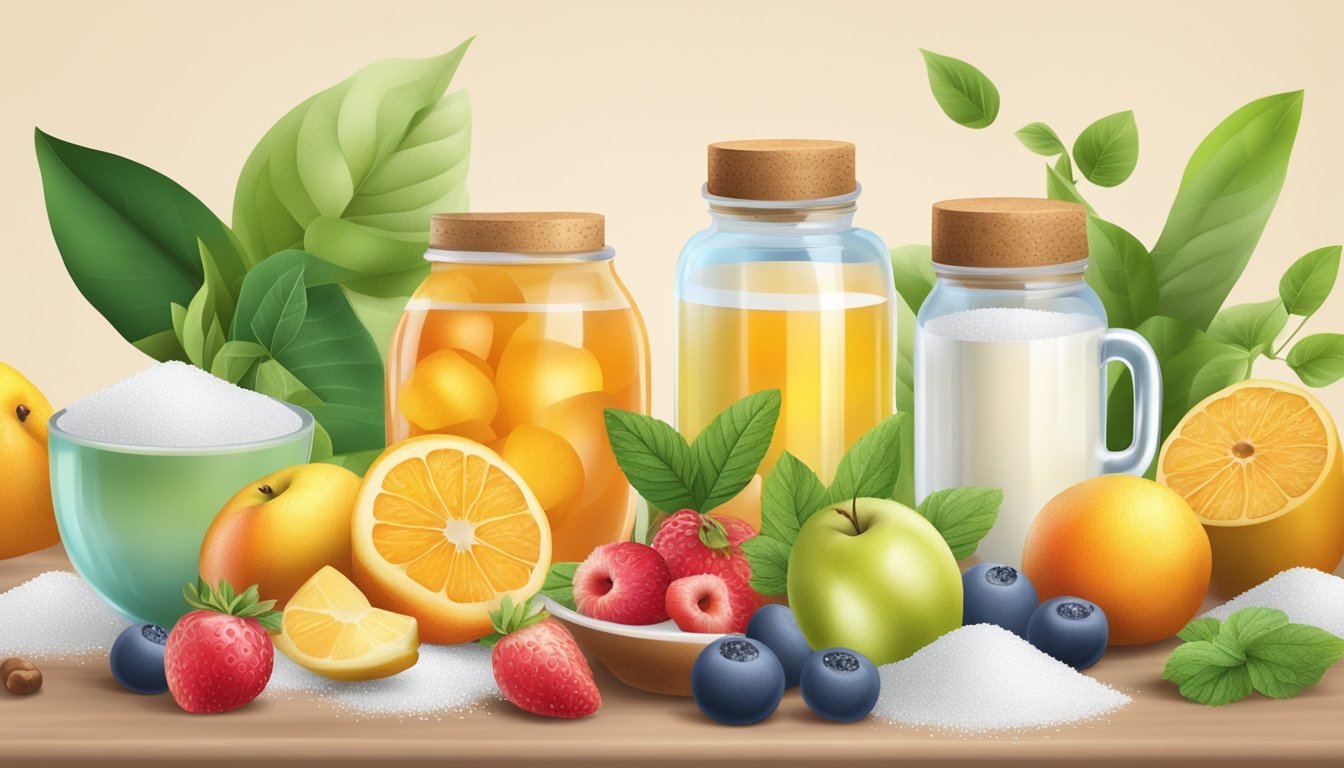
(82, 716)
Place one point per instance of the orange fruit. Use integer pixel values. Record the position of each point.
(443, 530)
(580, 420)
(1260, 464)
(27, 518)
(1129, 545)
(448, 387)
(536, 373)
(549, 464)
(462, 330)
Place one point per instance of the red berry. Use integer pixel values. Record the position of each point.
(706, 603)
(219, 658)
(538, 666)
(622, 582)
(681, 542)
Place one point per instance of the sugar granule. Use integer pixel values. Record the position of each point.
(57, 614)
(1010, 324)
(1307, 595)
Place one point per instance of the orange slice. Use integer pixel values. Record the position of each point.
(1260, 464)
(444, 529)
(330, 628)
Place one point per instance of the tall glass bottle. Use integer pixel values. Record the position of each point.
(782, 291)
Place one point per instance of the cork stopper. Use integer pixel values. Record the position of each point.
(549, 232)
(781, 169)
(1008, 232)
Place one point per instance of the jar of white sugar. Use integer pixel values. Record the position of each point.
(1011, 349)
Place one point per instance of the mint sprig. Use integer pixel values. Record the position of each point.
(1255, 649)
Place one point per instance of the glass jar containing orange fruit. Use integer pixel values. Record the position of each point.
(519, 339)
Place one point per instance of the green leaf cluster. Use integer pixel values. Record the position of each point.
(1174, 293)
(299, 298)
(1255, 649)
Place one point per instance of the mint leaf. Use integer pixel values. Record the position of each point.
(1244, 628)
(281, 311)
(655, 459)
(1200, 629)
(1208, 673)
(730, 449)
(1307, 284)
(963, 92)
(559, 584)
(872, 465)
(1290, 657)
(962, 515)
(1041, 139)
(769, 560)
(1318, 359)
(1108, 150)
(791, 494)
(1253, 327)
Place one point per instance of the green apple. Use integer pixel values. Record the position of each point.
(875, 576)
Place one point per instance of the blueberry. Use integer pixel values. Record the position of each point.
(1070, 629)
(997, 594)
(137, 658)
(737, 681)
(775, 626)
(840, 684)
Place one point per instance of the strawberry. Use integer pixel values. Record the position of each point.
(622, 582)
(693, 544)
(706, 603)
(537, 664)
(219, 657)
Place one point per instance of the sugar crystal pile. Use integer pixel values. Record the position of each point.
(1307, 595)
(56, 614)
(445, 679)
(984, 678)
(175, 405)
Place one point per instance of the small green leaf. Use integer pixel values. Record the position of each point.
(912, 271)
(1107, 150)
(1253, 327)
(791, 494)
(1244, 628)
(729, 450)
(872, 465)
(1208, 673)
(280, 315)
(1064, 167)
(1318, 359)
(1121, 272)
(1307, 284)
(1057, 187)
(235, 359)
(273, 380)
(559, 584)
(1200, 629)
(962, 91)
(1284, 660)
(769, 560)
(1041, 139)
(654, 457)
(962, 515)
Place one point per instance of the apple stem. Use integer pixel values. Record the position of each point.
(266, 489)
(852, 515)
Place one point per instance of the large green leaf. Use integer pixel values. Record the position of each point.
(1227, 193)
(331, 356)
(1253, 327)
(132, 239)
(1059, 187)
(1121, 272)
(962, 91)
(352, 174)
(1107, 150)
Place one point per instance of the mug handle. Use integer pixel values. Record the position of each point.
(1131, 349)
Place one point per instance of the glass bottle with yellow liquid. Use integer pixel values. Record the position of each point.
(519, 339)
(782, 291)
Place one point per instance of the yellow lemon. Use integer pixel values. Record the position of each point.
(448, 387)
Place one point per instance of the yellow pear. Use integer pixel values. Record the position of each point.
(27, 521)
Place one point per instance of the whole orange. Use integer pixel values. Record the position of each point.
(1130, 545)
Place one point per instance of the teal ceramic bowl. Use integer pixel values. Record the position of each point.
(132, 518)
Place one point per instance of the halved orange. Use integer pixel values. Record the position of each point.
(1260, 464)
(330, 628)
(444, 529)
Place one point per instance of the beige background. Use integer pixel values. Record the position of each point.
(607, 106)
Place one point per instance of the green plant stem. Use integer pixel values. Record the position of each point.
(1288, 340)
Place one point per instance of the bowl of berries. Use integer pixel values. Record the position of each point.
(646, 612)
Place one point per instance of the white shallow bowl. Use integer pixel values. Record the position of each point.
(656, 658)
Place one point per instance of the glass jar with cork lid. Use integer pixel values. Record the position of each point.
(782, 291)
(1011, 349)
(519, 339)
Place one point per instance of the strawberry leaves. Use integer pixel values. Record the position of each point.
(224, 599)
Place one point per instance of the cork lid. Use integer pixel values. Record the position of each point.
(781, 169)
(1008, 232)
(543, 232)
